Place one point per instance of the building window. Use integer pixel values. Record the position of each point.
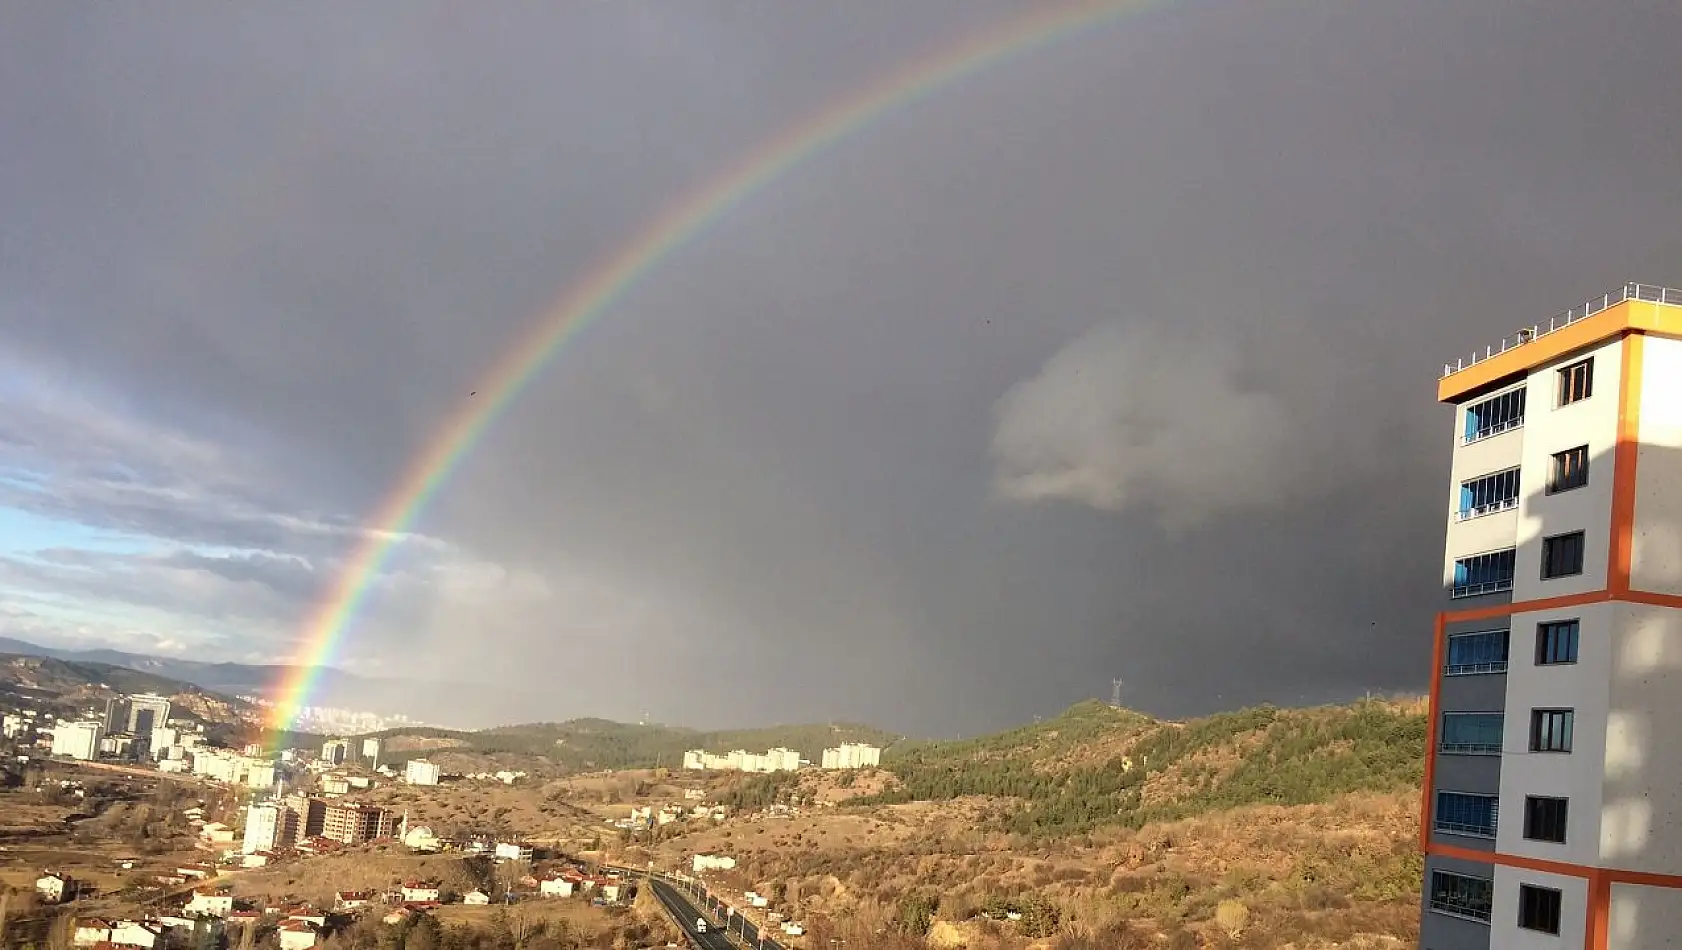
(1489, 494)
(1576, 382)
(1556, 642)
(1461, 895)
(1544, 818)
(1483, 574)
(1538, 909)
(1462, 814)
(1481, 652)
(1570, 470)
(1495, 415)
(1562, 555)
(1550, 730)
(1472, 733)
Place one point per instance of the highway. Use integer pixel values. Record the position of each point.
(683, 910)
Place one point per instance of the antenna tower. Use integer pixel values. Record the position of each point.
(1115, 693)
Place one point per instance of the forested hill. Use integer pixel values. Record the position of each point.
(1095, 765)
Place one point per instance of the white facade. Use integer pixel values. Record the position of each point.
(739, 760)
(420, 772)
(852, 756)
(335, 751)
(265, 827)
(78, 740)
(1595, 819)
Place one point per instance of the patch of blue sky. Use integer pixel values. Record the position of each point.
(23, 532)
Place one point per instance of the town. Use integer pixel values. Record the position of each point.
(252, 811)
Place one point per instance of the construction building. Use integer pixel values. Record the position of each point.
(350, 823)
(1552, 793)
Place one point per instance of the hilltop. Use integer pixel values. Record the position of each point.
(601, 744)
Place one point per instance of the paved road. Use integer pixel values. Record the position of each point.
(679, 905)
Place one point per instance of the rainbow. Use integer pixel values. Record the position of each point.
(327, 622)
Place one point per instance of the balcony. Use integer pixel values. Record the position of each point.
(1483, 574)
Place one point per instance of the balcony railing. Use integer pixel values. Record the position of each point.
(1485, 587)
(1478, 511)
(1472, 748)
(1459, 828)
(1470, 669)
(1651, 293)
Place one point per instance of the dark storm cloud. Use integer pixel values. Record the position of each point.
(1116, 360)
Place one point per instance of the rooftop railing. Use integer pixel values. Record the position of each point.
(1648, 292)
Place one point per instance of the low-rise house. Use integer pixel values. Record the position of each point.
(296, 935)
(555, 886)
(420, 892)
(90, 931)
(476, 898)
(209, 902)
(305, 913)
(611, 890)
(257, 859)
(53, 888)
(137, 933)
(196, 871)
(512, 851)
(352, 900)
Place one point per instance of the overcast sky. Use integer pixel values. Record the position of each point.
(1114, 360)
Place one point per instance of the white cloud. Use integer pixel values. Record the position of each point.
(1129, 416)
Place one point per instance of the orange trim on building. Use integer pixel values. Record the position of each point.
(1563, 868)
(1624, 459)
(1439, 641)
(1526, 606)
(1631, 315)
(1596, 927)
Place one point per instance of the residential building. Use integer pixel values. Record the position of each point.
(774, 760)
(260, 775)
(269, 826)
(163, 739)
(350, 823)
(352, 900)
(146, 711)
(53, 888)
(310, 816)
(1550, 780)
(16, 726)
(555, 886)
(476, 898)
(116, 714)
(212, 902)
(78, 740)
(371, 751)
(852, 756)
(296, 935)
(512, 851)
(420, 892)
(420, 772)
(335, 751)
(335, 785)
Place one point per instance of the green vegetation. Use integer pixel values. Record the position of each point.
(1253, 756)
(590, 744)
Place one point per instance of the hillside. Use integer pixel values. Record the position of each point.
(1095, 765)
(66, 686)
(601, 744)
(1294, 827)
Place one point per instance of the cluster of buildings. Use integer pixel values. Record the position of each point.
(774, 760)
(844, 756)
(334, 720)
(850, 755)
(299, 822)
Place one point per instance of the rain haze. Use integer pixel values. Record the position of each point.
(1113, 359)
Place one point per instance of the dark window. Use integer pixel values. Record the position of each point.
(1460, 894)
(1570, 470)
(1538, 909)
(1562, 555)
(1544, 819)
(1576, 382)
(1463, 814)
(1483, 574)
(1481, 652)
(1556, 642)
(1495, 415)
(1472, 733)
(1550, 730)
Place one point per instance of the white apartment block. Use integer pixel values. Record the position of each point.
(78, 740)
(335, 751)
(773, 760)
(852, 756)
(268, 826)
(420, 772)
(1553, 790)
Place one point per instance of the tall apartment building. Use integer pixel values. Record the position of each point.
(421, 772)
(335, 751)
(78, 740)
(1553, 790)
(350, 823)
(269, 826)
(850, 755)
(146, 711)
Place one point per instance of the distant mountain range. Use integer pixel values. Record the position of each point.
(332, 687)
